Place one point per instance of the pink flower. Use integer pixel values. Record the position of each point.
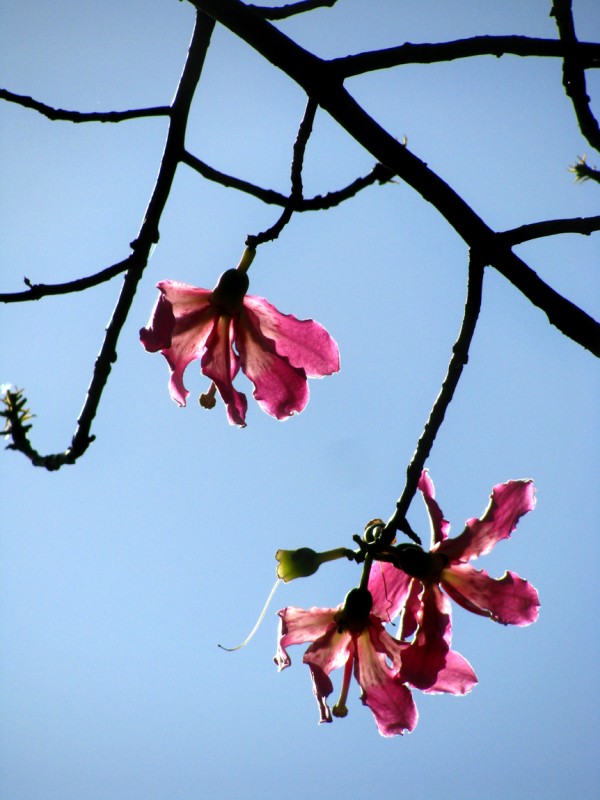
(228, 330)
(352, 636)
(429, 663)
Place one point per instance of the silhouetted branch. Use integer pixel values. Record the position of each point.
(293, 8)
(574, 72)
(460, 357)
(379, 174)
(583, 172)
(551, 227)
(38, 290)
(323, 84)
(147, 237)
(304, 132)
(82, 116)
(432, 53)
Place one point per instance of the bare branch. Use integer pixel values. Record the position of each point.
(293, 8)
(583, 172)
(551, 227)
(304, 132)
(39, 290)
(460, 357)
(147, 237)
(82, 116)
(574, 72)
(319, 81)
(379, 174)
(431, 53)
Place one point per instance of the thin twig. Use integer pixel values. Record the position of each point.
(433, 53)
(290, 10)
(574, 72)
(147, 237)
(550, 227)
(39, 290)
(82, 116)
(304, 132)
(460, 357)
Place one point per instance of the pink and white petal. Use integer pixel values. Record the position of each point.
(329, 651)
(322, 688)
(382, 691)
(159, 330)
(220, 363)
(509, 600)
(187, 345)
(385, 644)
(412, 608)
(426, 657)
(457, 677)
(389, 588)
(304, 343)
(184, 298)
(280, 389)
(440, 527)
(297, 626)
(508, 502)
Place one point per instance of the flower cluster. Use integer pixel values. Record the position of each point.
(228, 330)
(417, 586)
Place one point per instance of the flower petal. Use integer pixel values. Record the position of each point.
(426, 657)
(389, 588)
(280, 389)
(328, 652)
(297, 625)
(382, 691)
(220, 363)
(508, 502)
(509, 600)
(457, 677)
(440, 527)
(412, 607)
(179, 326)
(304, 343)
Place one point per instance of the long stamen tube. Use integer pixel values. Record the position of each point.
(259, 620)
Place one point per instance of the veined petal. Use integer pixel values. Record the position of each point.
(426, 657)
(280, 389)
(220, 363)
(508, 502)
(382, 691)
(180, 324)
(411, 612)
(440, 527)
(297, 625)
(509, 600)
(304, 343)
(389, 588)
(457, 676)
(328, 652)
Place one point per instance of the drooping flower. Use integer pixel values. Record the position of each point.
(351, 636)
(229, 330)
(422, 587)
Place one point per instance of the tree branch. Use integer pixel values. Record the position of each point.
(432, 53)
(293, 8)
(574, 72)
(460, 357)
(320, 82)
(82, 116)
(550, 227)
(147, 237)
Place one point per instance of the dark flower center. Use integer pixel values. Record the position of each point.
(354, 614)
(229, 292)
(413, 560)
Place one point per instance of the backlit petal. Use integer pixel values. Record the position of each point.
(297, 625)
(508, 502)
(389, 587)
(280, 389)
(509, 599)
(426, 657)
(304, 343)
(440, 527)
(220, 363)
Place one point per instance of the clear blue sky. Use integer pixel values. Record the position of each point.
(119, 576)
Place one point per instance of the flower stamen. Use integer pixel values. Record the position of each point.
(207, 399)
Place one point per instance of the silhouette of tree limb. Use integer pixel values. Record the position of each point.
(300, 7)
(82, 116)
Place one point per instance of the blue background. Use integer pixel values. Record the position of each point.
(120, 575)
